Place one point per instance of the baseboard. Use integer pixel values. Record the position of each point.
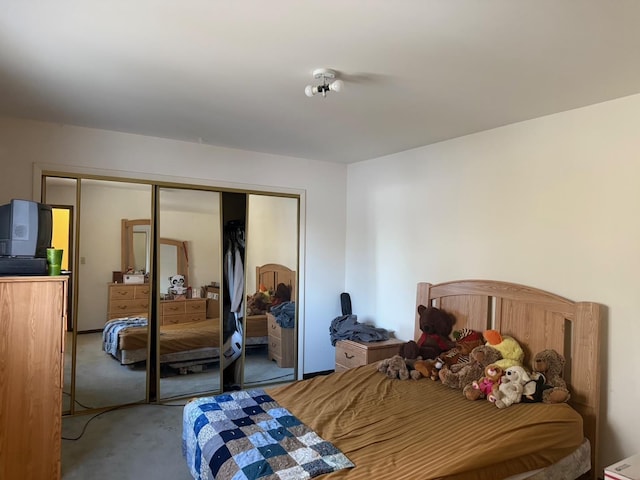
(307, 376)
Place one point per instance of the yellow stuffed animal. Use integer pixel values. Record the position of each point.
(512, 353)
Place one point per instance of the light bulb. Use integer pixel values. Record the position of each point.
(336, 86)
(308, 91)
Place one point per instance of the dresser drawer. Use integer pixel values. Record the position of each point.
(195, 305)
(141, 291)
(172, 308)
(195, 316)
(172, 319)
(124, 308)
(123, 292)
(273, 328)
(351, 354)
(275, 346)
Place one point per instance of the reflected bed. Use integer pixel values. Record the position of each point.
(187, 341)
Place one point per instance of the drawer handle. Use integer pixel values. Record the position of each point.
(273, 327)
(122, 294)
(348, 356)
(122, 307)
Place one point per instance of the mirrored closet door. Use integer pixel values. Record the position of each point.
(189, 289)
(173, 289)
(107, 374)
(271, 264)
(94, 363)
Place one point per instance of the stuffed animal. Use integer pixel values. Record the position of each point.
(396, 367)
(459, 375)
(550, 364)
(512, 353)
(466, 340)
(539, 386)
(258, 303)
(436, 326)
(512, 387)
(486, 385)
(176, 285)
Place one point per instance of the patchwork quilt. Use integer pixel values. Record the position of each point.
(248, 435)
(113, 327)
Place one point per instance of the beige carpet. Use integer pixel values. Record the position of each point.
(102, 382)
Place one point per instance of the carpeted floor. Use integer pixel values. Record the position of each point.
(141, 441)
(102, 382)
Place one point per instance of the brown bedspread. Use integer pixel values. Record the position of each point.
(423, 430)
(178, 337)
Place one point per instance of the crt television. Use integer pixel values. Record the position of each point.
(25, 229)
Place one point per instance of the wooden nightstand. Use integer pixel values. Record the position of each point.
(281, 343)
(350, 353)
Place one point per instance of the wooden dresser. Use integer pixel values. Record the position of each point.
(181, 311)
(281, 343)
(350, 353)
(128, 300)
(33, 314)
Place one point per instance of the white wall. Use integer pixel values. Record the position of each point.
(553, 203)
(102, 209)
(272, 227)
(25, 143)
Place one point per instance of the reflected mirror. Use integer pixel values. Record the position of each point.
(190, 270)
(111, 320)
(272, 256)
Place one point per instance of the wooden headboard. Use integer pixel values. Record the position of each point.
(538, 320)
(271, 274)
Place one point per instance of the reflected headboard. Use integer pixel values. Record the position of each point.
(537, 320)
(271, 274)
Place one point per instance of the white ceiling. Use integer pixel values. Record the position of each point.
(232, 72)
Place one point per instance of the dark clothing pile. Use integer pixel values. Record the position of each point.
(346, 327)
(285, 314)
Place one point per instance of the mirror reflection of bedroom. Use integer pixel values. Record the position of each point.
(122, 346)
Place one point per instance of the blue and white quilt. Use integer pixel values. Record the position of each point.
(110, 340)
(247, 435)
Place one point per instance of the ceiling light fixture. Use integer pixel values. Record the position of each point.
(327, 85)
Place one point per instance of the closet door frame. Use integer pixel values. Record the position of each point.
(41, 170)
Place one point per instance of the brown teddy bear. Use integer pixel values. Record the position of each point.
(396, 367)
(550, 364)
(436, 326)
(459, 375)
(466, 340)
(486, 385)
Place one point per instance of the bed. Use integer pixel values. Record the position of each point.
(126, 338)
(423, 429)
(268, 276)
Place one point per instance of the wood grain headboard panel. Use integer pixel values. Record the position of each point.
(538, 320)
(271, 274)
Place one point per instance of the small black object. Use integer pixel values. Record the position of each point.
(345, 301)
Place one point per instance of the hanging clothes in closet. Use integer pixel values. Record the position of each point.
(233, 304)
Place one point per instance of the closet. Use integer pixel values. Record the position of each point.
(154, 234)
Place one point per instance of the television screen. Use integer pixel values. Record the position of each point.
(25, 229)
